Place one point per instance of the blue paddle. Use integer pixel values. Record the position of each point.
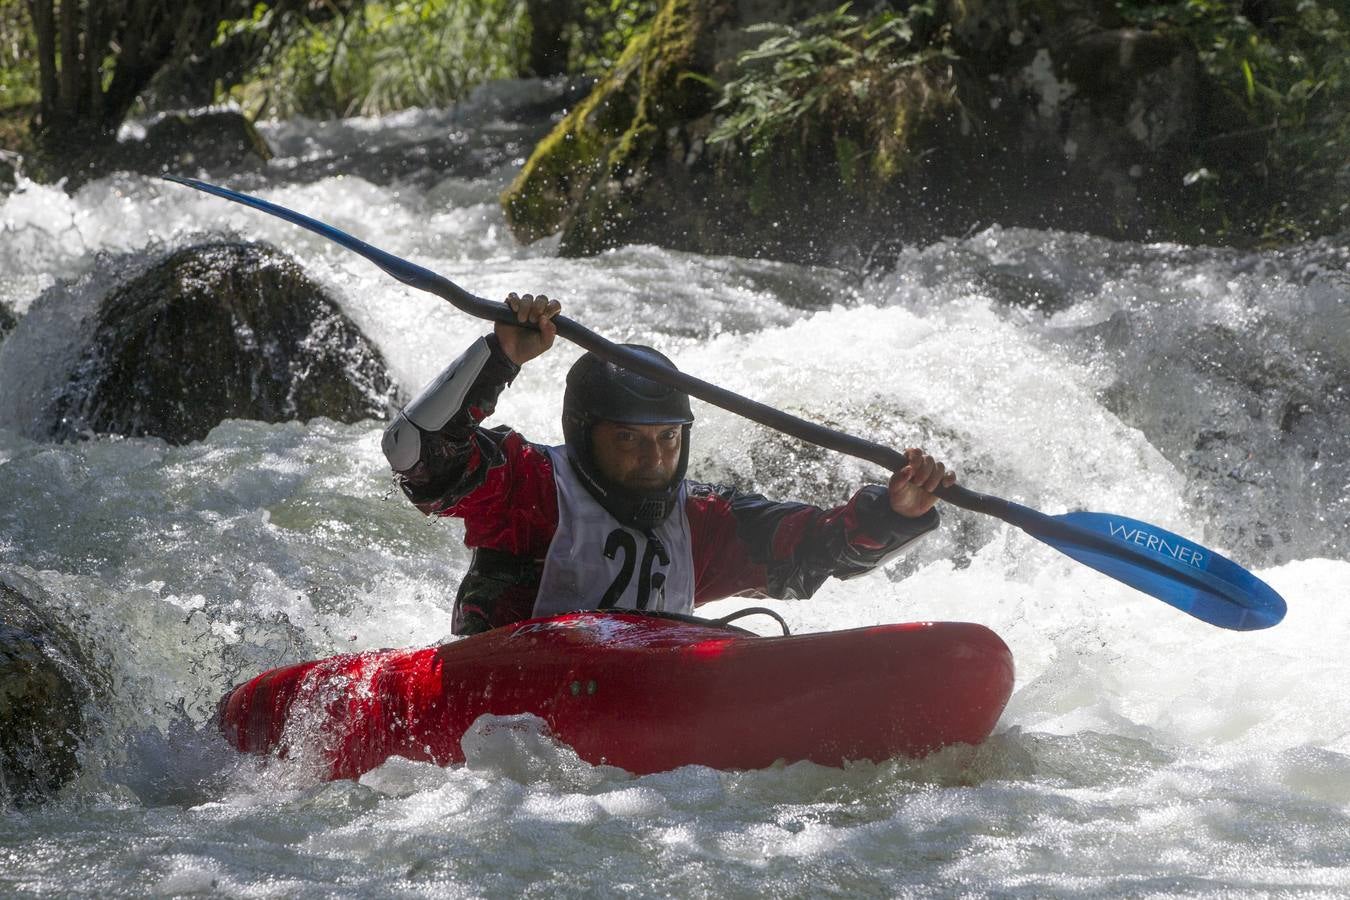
(1179, 572)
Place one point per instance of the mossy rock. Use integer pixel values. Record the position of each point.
(1054, 115)
(573, 156)
(42, 695)
(632, 163)
(217, 331)
(578, 177)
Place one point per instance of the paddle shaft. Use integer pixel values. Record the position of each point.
(1036, 523)
(811, 432)
(424, 279)
(1234, 598)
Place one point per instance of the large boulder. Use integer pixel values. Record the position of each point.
(216, 142)
(42, 695)
(590, 177)
(1033, 114)
(216, 331)
(219, 141)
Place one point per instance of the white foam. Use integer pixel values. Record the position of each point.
(1142, 752)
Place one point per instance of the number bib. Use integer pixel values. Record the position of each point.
(594, 562)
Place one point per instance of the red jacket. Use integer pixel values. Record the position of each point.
(743, 544)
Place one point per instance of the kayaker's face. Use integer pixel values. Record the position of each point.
(638, 457)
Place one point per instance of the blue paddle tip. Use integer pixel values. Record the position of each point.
(1180, 572)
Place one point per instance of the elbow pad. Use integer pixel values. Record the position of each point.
(434, 407)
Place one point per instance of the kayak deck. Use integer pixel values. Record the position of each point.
(641, 692)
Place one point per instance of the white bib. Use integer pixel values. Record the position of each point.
(594, 562)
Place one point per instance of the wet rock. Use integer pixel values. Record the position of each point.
(216, 331)
(1014, 287)
(1255, 426)
(595, 177)
(189, 142)
(7, 321)
(42, 695)
(1115, 121)
(216, 143)
(1060, 119)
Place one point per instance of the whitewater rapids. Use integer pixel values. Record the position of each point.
(1143, 752)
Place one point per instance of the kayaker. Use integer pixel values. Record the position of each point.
(608, 519)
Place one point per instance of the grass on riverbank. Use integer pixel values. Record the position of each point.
(382, 57)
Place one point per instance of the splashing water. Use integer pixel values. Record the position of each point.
(1143, 752)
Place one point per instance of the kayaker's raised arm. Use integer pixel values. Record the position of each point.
(431, 443)
(607, 519)
(748, 545)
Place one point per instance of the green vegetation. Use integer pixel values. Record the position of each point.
(614, 132)
(870, 81)
(320, 58)
(18, 56)
(844, 93)
(18, 78)
(1273, 164)
(598, 32)
(384, 55)
(94, 59)
(380, 56)
(1287, 77)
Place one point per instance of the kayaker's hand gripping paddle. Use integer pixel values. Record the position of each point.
(1177, 571)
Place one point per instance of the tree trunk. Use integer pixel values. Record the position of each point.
(79, 117)
(95, 46)
(146, 38)
(44, 24)
(69, 102)
(548, 49)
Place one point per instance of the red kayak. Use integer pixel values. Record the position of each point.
(643, 692)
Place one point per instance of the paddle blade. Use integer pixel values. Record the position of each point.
(1179, 572)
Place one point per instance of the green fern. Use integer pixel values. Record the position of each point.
(865, 70)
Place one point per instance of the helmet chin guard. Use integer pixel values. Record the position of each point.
(601, 391)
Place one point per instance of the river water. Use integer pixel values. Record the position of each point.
(1143, 752)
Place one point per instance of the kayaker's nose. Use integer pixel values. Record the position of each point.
(649, 453)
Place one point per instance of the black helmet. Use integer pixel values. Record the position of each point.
(601, 391)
